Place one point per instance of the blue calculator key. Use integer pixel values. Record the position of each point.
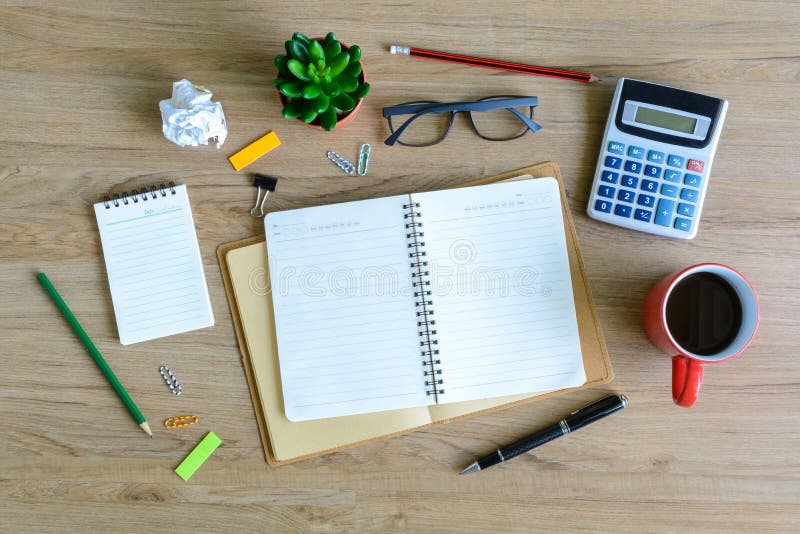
(642, 215)
(689, 194)
(629, 181)
(686, 210)
(626, 196)
(683, 224)
(655, 157)
(693, 180)
(636, 152)
(606, 191)
(633, 166)
(603, 205)
(614, 163)
(664, 212)
(676, 161)
(622, 210)
(649, 185)
(652, 171)
(669, 190)
(672, 176)
(646, 200)
(609, 176)
(616, 148)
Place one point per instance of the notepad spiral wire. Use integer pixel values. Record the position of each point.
(421, 284)
(137, 195)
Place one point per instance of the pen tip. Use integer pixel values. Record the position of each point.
(471, 469)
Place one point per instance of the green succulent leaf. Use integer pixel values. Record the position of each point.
(293, 89)
(355, 53)
(330, 38)
(348, 83)
(311, 91)
(278, 81)
(343, 102)
(308, 116)
(280, 64)
(328, 118)
(360, 92)
(353, 69)
(311, 69)
(316, 52)
(297, 50)
(321, 103)
(339, 63)
(331, 89)
(298, 69)
(332, 49)
(297, 36)
(292, 109)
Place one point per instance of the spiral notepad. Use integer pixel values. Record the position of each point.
(153, 263)
(423, 299)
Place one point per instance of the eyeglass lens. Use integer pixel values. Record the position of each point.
(426, 130)
(500, 124)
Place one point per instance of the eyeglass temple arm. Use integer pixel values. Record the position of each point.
(533, 125)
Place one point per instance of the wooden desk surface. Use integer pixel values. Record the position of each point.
(79, 88)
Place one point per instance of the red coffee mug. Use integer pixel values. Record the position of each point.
(687, 367)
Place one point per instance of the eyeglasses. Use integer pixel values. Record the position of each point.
(495, 118)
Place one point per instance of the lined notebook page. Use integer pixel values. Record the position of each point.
(344, 313)
(154, 267)
(502, 292)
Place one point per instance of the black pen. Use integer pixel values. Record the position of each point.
(574, 421)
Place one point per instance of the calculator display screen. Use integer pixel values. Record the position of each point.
(664, 119)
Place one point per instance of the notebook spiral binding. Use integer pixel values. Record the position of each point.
(420, 282)
(138, 194)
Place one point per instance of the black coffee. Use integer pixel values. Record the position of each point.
(704, 313)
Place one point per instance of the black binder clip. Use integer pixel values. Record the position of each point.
(267, 184)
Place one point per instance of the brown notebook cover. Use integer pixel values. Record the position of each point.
(244, 272)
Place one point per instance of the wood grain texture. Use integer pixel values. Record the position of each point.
(79, 88)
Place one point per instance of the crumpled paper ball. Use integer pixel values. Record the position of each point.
(191, 118)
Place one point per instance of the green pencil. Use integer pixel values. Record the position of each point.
(94, 353)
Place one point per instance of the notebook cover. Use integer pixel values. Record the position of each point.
(595, 356)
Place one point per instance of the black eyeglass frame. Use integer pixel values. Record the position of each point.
(492, 103)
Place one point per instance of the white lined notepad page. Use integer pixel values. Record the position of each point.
(502, 292)
(154, 267)
(344, 310)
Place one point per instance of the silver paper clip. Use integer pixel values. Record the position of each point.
(341, 162)
(174, 386)
(363, 159)
(267, 184)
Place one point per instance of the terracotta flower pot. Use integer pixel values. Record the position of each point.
(343, 120)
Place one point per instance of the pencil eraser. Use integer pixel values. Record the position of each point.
(198, 456)
(254, 150)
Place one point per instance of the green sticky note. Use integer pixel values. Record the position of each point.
(198, 456)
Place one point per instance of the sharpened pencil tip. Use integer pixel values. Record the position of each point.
(593, 78)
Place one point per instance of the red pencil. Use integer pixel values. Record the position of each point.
(494, 64)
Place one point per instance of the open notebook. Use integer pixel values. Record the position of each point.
(423, 299)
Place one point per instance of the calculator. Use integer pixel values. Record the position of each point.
(655, 160)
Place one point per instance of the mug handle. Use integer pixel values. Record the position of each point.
(687, 377)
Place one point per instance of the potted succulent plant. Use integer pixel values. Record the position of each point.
(320, 81)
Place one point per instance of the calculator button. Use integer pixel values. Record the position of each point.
(606, 191)
(636, 152)
(649, 185)
(692, 179)
(610, 177)
(616, 148)
(622, 210)
(655, 157)
(652, 171)
(672, 176)
(695, 165)
(613, 162)
(669, 190)
(686, 210)
(689, 194)
(675, 161)
(602, 205)
(626, 196)
(683, 224)
(666, 208)
(629, 181)
(646, 200)
(642, 215)
(633, 166)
